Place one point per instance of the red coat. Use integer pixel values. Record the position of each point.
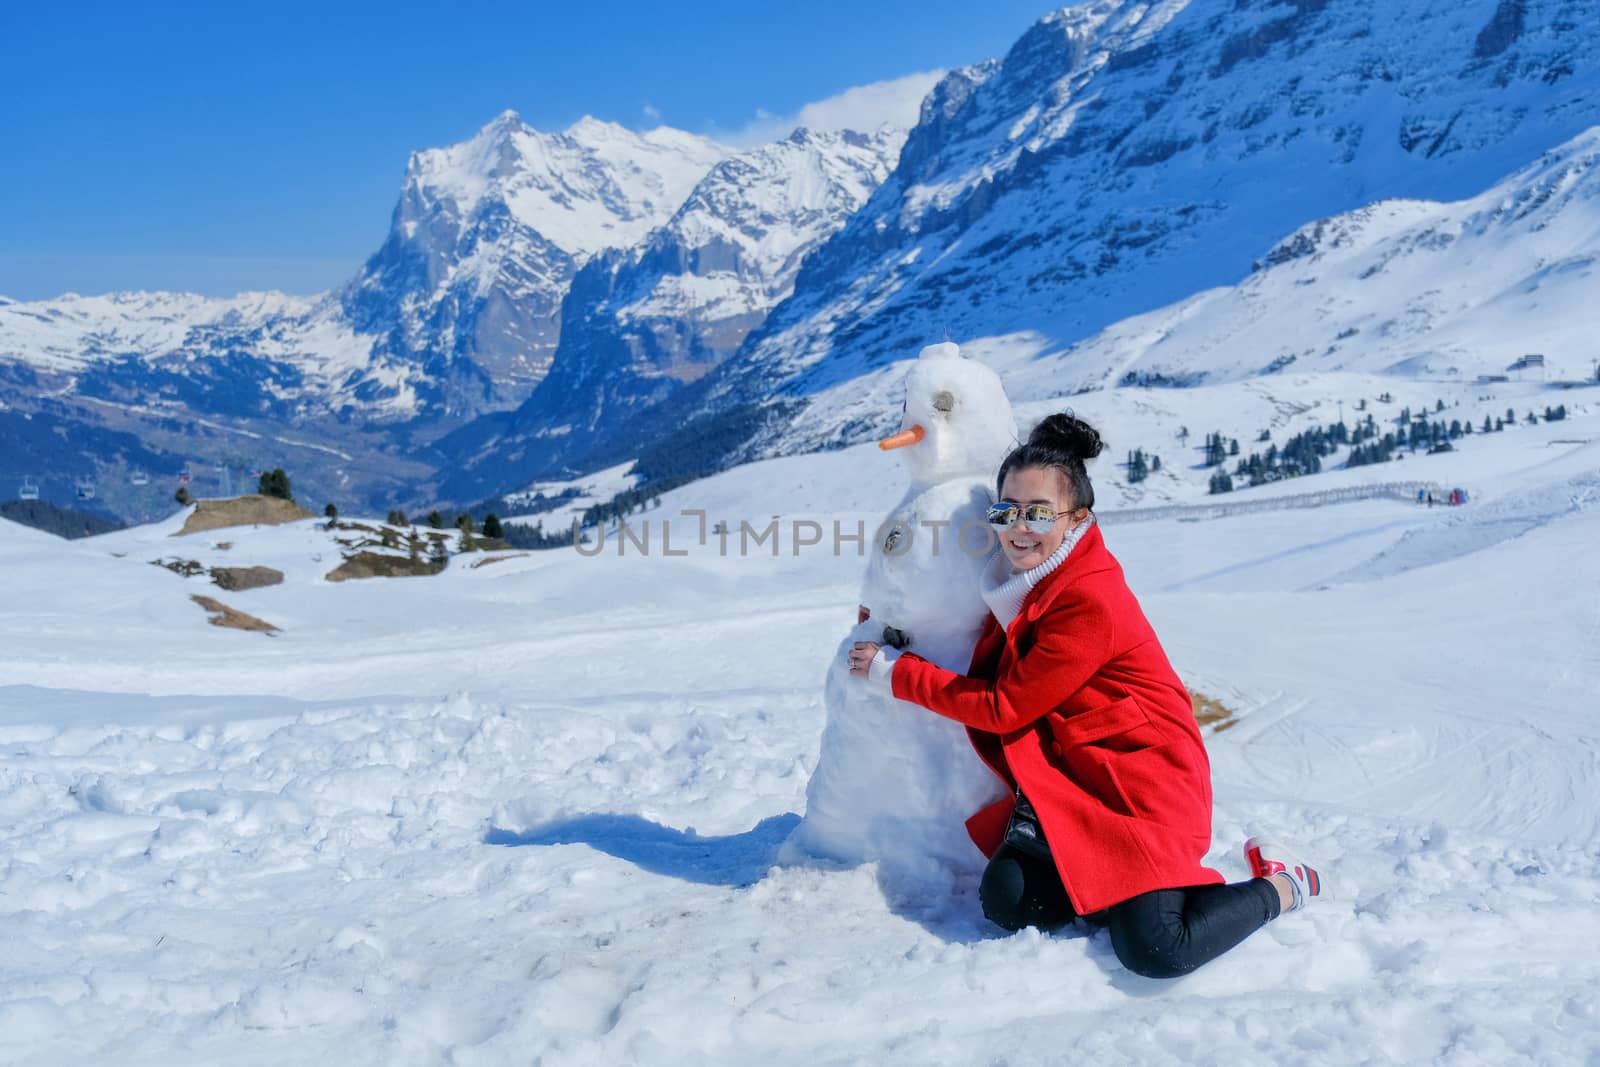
(1075, 702)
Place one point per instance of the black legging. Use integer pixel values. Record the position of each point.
(1160, 934)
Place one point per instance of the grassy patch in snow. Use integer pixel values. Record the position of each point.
(222, 615)
(242, 511)
(378, 565)
(1209, 712)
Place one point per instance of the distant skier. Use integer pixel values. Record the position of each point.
(1070, 699)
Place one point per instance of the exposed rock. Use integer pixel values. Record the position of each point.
(186, 568)
(1503, 29)
(240, 578)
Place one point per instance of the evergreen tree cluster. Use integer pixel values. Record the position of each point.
(1219, 448)
(1375, 450)
(275, 483)
(628, 501)
(1301, 455)
(1141, 466)
(706, 444)
(527, 505)
(533, 538)
(43, 515)
(1433, 436)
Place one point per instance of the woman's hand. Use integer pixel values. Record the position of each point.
(860, 656)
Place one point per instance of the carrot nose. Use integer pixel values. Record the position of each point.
(904, 437)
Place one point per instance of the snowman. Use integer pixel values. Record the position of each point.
(894, 782)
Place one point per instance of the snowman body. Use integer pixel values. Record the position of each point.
(894, 782)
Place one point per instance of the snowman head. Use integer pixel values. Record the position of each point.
(957, 420)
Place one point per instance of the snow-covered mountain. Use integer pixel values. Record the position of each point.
(1404, 289)
(640, 323)
(1125, 155)
(455, 314)
(488, 234)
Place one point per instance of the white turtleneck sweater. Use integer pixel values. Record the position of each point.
(1003, 588)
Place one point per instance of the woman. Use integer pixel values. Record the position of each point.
(1070, 699)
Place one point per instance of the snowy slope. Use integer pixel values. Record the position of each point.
(1408, 288)
(1411, 292)
(527, 811)
(1127, 155)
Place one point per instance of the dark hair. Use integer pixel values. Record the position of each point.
(1061, 442)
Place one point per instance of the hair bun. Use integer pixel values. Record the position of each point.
(1070, 434)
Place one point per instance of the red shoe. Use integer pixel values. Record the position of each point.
(1267, 858)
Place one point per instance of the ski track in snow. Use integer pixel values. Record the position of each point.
(528, 813)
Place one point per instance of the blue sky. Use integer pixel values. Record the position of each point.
(214, 147)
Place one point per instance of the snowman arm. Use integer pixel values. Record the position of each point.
(1074, 641)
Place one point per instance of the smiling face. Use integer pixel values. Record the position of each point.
(1036, 485)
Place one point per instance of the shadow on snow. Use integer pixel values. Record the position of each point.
(732, 860)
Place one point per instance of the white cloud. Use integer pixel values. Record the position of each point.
(652, 113)
(896, 102)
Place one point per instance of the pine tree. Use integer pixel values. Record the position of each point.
(331, 512)
(275, 483)
(491, 526)
(435, 519)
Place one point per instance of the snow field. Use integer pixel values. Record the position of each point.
(528, 812)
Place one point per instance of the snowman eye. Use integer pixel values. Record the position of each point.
(943, 400)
